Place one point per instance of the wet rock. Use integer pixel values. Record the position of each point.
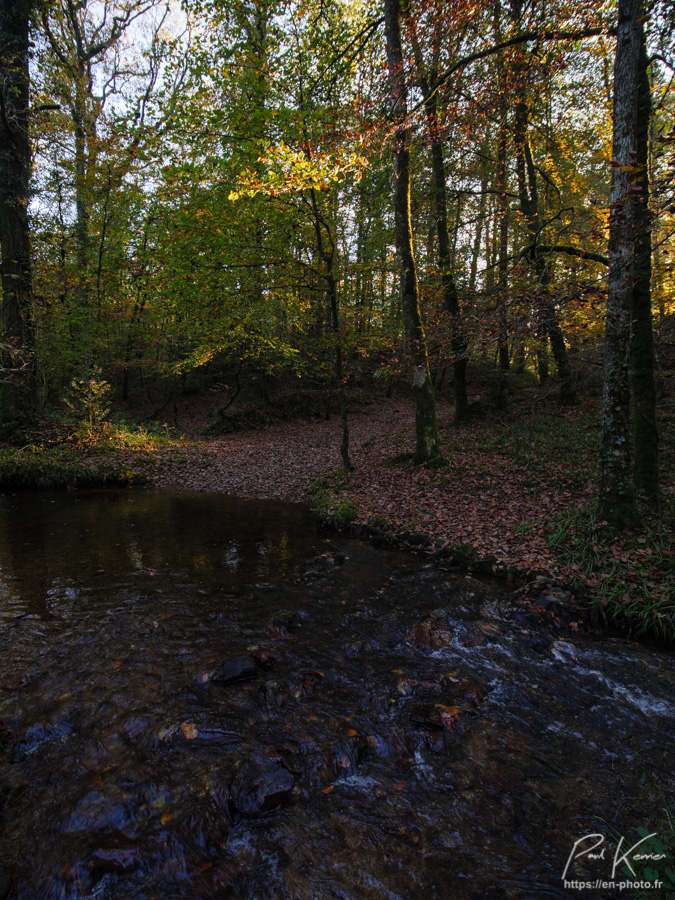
(134, 728)
(427, 718)
(429, 637)
(291, 621)
(378, 746)
(96, 812)
(239, 668)
(416, 539)
(33, 737)
(408, 686)
(437, 717)
(564, 652)
(116, 859)
(354, 647)
(331, 558)
(261, 785)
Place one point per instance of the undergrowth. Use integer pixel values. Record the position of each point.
(629, 576)
(329, 502)
(79, 457)
(61, 467)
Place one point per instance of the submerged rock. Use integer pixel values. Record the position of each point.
(239, 668)
(261, 785)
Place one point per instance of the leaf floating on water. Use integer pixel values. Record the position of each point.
(117, 664)
(352, 732)
(329, 789)
(158, 803)
(449, 715)
(166, 817)
(188, 730)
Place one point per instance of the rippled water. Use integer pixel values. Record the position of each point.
(409, 732)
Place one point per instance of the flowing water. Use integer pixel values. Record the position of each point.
(399, 731)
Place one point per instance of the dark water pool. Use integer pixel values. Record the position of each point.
(398, 731)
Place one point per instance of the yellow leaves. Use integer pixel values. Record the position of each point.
(288, 170)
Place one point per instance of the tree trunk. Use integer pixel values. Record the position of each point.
(616, 501)
(450, 295)
(503, 231)
(327, 255)
(528, 196)
(646, 438)
(15, 165)
(427, 447)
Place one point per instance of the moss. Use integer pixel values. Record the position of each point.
(329, 500)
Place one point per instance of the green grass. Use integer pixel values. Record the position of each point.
(61, 467)
(329, 502)
(80, 457)
(630, 577)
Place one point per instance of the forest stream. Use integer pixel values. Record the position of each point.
(207, 697)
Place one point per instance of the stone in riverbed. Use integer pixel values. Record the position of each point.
(239, 668)
(428, 636)
(261, 785)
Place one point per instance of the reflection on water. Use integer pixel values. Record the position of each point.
(53, 547)
(203, 704)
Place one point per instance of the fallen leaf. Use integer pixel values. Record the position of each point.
(188, 730)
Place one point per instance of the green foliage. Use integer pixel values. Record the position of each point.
(329, 502)
(88, 401)
(630, 577)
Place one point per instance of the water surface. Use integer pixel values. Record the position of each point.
(435, 741)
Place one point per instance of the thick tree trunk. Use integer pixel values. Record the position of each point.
(646, 438)
(15, 164)
(427, 447)
(616, 501)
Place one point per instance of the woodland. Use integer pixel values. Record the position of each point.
(338, 201)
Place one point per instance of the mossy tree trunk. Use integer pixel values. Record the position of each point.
(427, 447)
